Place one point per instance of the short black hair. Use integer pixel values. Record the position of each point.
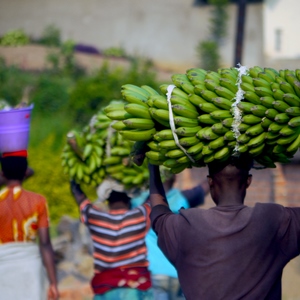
(242, 161)
(118, 196)
(14, 167)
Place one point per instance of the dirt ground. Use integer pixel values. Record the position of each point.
(33, 57)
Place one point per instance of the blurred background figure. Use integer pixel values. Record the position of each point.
(119, 249)
(163, 274)
(24, 219)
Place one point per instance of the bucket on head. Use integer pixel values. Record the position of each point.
(14, 129)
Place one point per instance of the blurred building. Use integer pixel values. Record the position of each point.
(166, 31)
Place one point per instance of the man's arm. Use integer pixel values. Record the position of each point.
(157, 192)
(48, 260)
(77, 192)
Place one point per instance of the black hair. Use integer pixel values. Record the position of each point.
(14, 167)
(118, 196)
(242, 162)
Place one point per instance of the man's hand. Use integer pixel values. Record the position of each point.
(53, 293)
(77, 192)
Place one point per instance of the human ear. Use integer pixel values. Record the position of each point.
(249, 180)
(209, 180)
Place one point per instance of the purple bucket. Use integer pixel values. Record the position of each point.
(14, 129)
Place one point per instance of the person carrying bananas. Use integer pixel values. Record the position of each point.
(24, 220)
(230, 251)
(163, 274)
(118, 237)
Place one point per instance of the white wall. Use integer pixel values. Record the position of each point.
(166, 31)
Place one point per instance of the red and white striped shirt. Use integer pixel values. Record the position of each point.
(118, 235)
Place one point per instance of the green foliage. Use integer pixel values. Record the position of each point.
(114, 52)
(94, 92)
(208, 50)
(51, 36)
(210, 57)
(15, 37)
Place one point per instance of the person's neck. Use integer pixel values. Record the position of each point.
(12, 183)
(118, 205)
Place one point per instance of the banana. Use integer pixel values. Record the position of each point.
(281, 157)
(272, 135)
(165, 134)
(175, 99)
(175, 153)
(161, 114)
(188, 87)
(247, 87)
(196, 72)
(224, 92)
(207, 119)
(221, 114)
(229, 136)
(255, 130)
(228, 122)
(271, 113)
(291, 99)
(212, 75)
(251, 119)
(208, 158)
(266, 122)
(132, 97)
(263, 91)
(232, 144)
(176, 91)
(178, 79)
(266, 76)
(188, 141)
(170, 163)
(294, 146)
(137, 110)
(121, 114)
(150, 90)
(296, 86)
(260, 82)
(112, 160)
(157, 118)
(119, 125)
(195, 149)
(222, 103)
(247, 79)
(168, 144)
(294, 122)
(198, 88)
(257, 140)
(286, 87)
(252, 97)
(179, 168)
(185, 122)
(183, 111)
(275, 85)
(287, 130)
(207, 95)
(183, 159)
(297, 73)
(293, 111)
(275, 127)
(187, 131)
(209, 135)
(225, 74)
(206, 150)
(286, 140)
(196, 100)
(267, 101)
(282, 118)
(208, 107)
(155, 155)
(113, 106)
(138, 135)
(154, 145)
(280, 106)
(255, 151)
(210, 84)
(278, 94)
(253, 72)
(222, 153)
(217, 143)
(258, 110)
(272, 72)
(219, 128)
(159, 101)
(135, 89)
(243, 138)
(139, 123)
(230, 85)
(245, 107)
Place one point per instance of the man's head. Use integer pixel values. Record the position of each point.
(229, 180)
(14, 167)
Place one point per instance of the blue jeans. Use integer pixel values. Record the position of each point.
(126, 294)
(166, 288)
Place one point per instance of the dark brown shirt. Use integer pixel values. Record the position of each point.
(229, 253)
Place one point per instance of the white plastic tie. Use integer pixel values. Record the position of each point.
(237, 114)
(171, 121)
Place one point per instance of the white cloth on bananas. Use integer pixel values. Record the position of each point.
(237, 116)
(172, 124)
(106, 187)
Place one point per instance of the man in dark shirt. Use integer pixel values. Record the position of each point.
(230, 251)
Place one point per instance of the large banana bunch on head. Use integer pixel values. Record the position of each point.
(205, 116)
